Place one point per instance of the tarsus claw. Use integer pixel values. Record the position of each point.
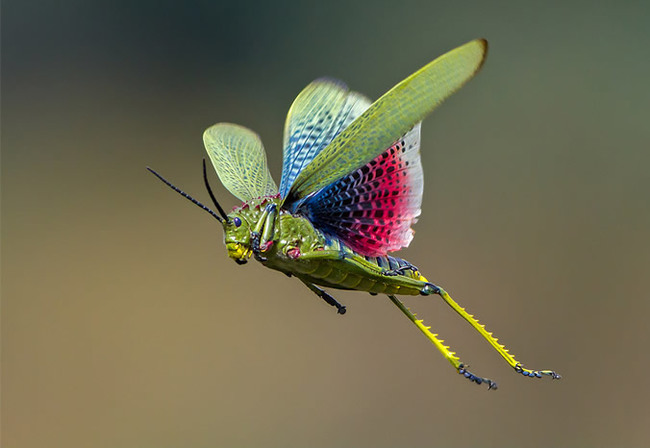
(476, 379)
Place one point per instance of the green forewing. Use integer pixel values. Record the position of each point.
(391, 116)
(238, 157)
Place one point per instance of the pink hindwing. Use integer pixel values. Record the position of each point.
(372, 209)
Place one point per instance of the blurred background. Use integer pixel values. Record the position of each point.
(124, 323)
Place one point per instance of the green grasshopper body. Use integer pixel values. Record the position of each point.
(351, 189)
(290, 244)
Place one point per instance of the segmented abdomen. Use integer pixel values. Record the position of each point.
(363, 273)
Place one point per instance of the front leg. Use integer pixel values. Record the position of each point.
(263, 232)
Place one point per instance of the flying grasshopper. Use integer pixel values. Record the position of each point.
(350, 191)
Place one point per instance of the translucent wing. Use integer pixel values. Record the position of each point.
(240, 161)
(319, 113)
(389, 117)
(372, 208)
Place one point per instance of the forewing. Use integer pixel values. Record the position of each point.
(238, 157)
(389, 117)
(372, 208)
(318, 114)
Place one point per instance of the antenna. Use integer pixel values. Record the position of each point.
(214, 200)
(188, 197)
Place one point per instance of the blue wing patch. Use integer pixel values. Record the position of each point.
(319, 113)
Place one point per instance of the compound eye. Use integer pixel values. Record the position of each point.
(237, 221)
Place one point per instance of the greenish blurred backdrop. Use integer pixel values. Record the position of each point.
(124, 324)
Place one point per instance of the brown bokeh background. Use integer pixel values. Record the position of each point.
(124, 324)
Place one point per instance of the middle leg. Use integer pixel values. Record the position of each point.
(325, 296)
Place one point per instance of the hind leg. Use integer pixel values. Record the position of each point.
(430, 288)
(439, 344)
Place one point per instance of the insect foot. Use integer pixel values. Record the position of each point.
(537, 373)
(255, 246)
(340, 309)
(476, 379)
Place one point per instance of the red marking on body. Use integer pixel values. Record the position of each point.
(293, 253)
